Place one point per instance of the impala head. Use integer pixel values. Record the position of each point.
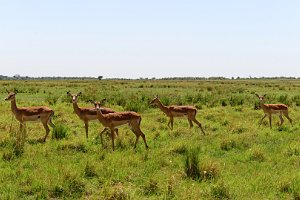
(261, 98)
(74, 96)
(11, 96)
(98, 104)
(155, 101)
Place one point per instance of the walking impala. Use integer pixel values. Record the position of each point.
(87, 114)
(178, 111)
(270, 109)
(24, 114)
(113, 120)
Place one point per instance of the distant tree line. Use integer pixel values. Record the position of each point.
(19, 77)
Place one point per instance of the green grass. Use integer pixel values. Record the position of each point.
(237, 159)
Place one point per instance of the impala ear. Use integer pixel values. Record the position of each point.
(7, 90)
(80, 93)
(68, 93)
(91, 101)
(256, 95)
(265, 95)
(16, 91)
(103, 101)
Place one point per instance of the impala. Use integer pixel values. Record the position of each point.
(178, 111)
(113, 120)
(23, 114)
(270, 109)
(87, 114)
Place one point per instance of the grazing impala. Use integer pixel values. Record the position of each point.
(87, 114)
(178, 111)
(270, 109)
(113, 120)
(23, 114)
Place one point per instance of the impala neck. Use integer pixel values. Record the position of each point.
(14, 107)
(101, 117)
(162, 107)
(262, 105)
(76, 108)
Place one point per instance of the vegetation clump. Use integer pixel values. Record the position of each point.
(60, 132)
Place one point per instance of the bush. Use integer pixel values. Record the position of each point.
(73, 147)
(209, 171)
(90, 171)
(226, 145)
(151, 188)
(257, 155)
(52, 99)
(220, 191)
(74, 186)
(284, 99)
(192, 169)
(59, 132)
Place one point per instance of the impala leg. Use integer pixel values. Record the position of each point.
(138, 132)
(270, 120)
(117, 131)
(101, 135)
(21, 132)
(112, 133)
(47, 130)
(281, 119)
(171, 122)
(24, 132)
(21, 127)
(144, 138)
(86, 125)
(262, 119)
(190, 122)
(286, 114)
(50, 120)
(200, 125)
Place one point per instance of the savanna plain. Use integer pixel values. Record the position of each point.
(236, 159)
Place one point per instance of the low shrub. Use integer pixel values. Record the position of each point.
(220, 191)
(59, 132)
(90, 171)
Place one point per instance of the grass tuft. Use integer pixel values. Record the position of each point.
(227, 145)
(151, 188)
(257, 155)
(191, 168)
(220, 191)
(59, 132)
(90, 171)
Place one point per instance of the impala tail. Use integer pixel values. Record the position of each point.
(50, 120)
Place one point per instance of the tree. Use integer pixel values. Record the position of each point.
(100, 77)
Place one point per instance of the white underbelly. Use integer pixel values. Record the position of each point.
(34, 118)
(121, 123)
(179, 114)
(275, 111)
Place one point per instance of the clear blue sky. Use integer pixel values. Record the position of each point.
(157, 38)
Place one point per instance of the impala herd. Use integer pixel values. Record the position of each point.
(111, 119)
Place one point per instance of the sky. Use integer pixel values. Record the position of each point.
(157, 38)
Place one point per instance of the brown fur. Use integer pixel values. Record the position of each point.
(270, 109)
(178, 111)
(113, 120)
(87, 114)
(24, 114)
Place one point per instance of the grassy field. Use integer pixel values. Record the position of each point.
(237, 159)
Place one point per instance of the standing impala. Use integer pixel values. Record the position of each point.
(87, 114)
(113, 120)
(270, 109)
(178, 111)
(23, 114)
